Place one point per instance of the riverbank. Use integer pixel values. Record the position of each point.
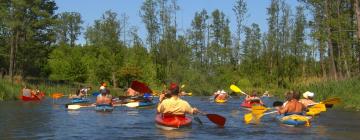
(347, 90)
(12, 90)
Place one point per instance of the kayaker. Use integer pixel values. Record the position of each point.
(293, 106)
(253, 98)
(216, 93)
(102, 85)
(26, 92)
(78, 95)
(174, 105)
(222, 95)
(288, 97)
(132, 92)
(36, 91)
(85, 90)
(104, 97)
(308, 99)
(266, 94)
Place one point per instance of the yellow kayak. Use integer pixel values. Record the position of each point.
(312, 113)
(220, 101)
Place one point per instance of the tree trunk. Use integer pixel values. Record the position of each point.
(13, 49)
(12, 52)
(333, 72)
(357, 12)
(114, 80)
(322, 65)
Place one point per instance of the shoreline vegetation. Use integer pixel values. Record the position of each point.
(344, 89)
(313, 45)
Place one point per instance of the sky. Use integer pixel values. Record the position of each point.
(92, 10)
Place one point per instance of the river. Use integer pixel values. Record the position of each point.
(49, 119)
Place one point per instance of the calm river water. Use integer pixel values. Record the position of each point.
(50, 120)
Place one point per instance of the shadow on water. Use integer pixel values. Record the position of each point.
(45, 120)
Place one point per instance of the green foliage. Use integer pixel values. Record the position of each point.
(68, 28)
(67, 64)
(346, 90)
(295, 49)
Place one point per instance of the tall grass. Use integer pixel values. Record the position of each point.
(348, 90)
(9, 91)
(12, 91)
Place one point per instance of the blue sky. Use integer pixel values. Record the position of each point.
(91, 10)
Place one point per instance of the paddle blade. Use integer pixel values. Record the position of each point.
(217, 119)
(332, 101)
(259, 109)
(197, 119)
(57, 95)
(73, 107)
(235, 88)
(248, 118)
(132, 104)
(140, 87)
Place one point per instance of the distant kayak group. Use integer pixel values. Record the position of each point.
(294, 111)
(32, 95)
(172, 110)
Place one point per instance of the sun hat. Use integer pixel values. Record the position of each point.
(308, 94)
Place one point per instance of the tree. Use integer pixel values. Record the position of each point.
(197, 38)
(105, 34)
(29, 30)
(298, 47)
(69, 28)
(240, 10)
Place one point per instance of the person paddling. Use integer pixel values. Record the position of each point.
(85, 91)
(293, 106)
(26, 92)
(104, 98)
(174, 105)
(308, 99)
(78, 95)
(254, 98)
(222, 95)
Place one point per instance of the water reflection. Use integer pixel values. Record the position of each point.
(174, 134)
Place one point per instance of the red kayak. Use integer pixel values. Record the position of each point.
(170, 122)
(248, 104)
(33, 97)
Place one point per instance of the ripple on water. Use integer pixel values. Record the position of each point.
(45, 120)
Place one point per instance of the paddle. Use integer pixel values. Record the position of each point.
(140, 87)
(258, 111)
(321, 106)
(57, 95)
(237, 89)
(197, 119)
(215, 118)
(74, 107)
(330, 102)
